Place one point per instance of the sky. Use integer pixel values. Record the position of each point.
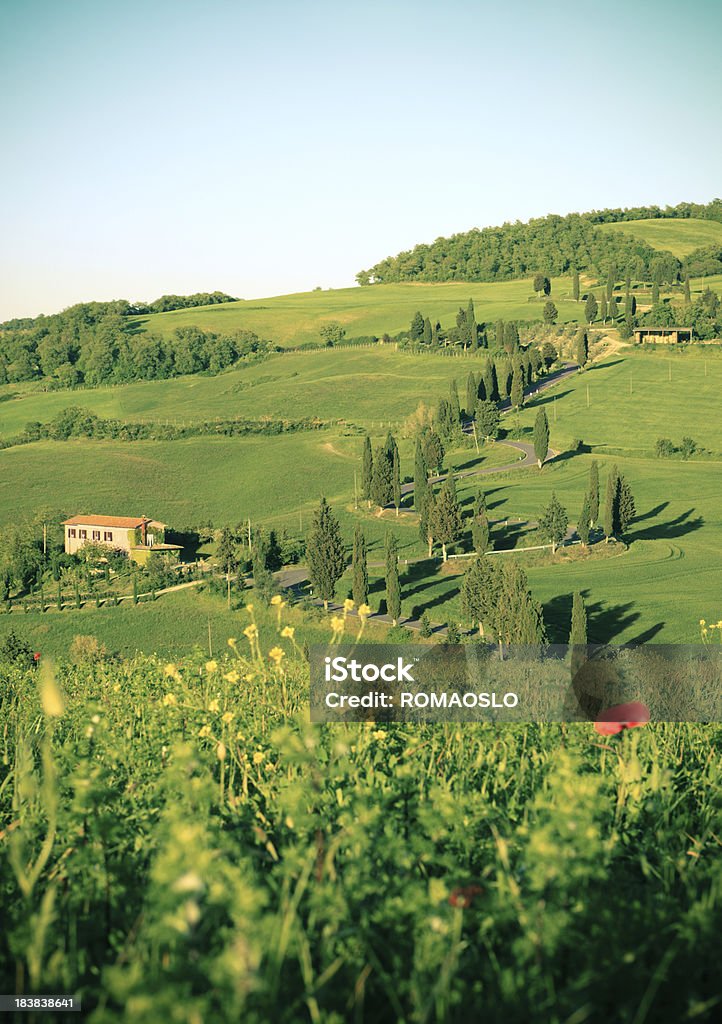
(261, 148)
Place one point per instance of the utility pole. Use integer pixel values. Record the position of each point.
(355, 492)
(587, 396)
(210, 643)
(249, 534)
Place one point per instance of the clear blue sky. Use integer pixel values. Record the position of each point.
(267, 147)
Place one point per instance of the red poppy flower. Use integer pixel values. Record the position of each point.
(36, 656)
(620, 717)
(464, 896)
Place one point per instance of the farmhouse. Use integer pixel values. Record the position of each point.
(138, 537)
(664, 335)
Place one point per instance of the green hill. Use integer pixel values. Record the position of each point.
(291, 320)
(680, 237)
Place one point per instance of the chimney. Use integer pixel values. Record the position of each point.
(144, 530)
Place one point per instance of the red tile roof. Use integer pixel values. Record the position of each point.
(119, 522)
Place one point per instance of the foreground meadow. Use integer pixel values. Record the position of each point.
(179, 843)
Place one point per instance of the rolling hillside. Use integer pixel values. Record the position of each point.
(291, 320)
(680, 237)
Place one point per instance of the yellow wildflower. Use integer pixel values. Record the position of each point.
(232, 642)
(205, 730)
(239, 737)
(211, 666)
(251, 631)
(227, 718)
(277, 654)
(379, 734)
(337, 624)
(221, 751)
(364, 611)
(170, 700)
(232, 677)
(258, 757)
(214, 705)
(172, 672)
(249, 607)
(288, 632)
(277, 599)
(348, 605)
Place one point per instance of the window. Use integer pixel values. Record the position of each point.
(108, 535)
(71, 531)
(83, 534)
(96, 534)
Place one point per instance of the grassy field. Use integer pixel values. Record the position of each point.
(680, 237)
(296, 319)
(660, 587)
(273, 480)
(211, 856)
(369, 386)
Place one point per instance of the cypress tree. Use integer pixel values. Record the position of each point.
(593, 492)
(367, 469)
(360, 585)
(393, 586)
(575, 285)
(590, 308)
(624, 507)
(578, 631)
(517, 387)
(481, 392)
(135, 588)
(655, 292)
(480, 532)
(428, 333)
(433, 450)
(489, 377)
(583, 526)
(611, 281)
(687, 294)
(499, 334)
(421, 475)
(511, 338)
(471, 394)
(59, 600)
(454, 403)
(603, 308)
(262, 575)
(609, 503)
(426, 518)
(382, 479)
(445, 520)
(471, 324)
(396, 479)
(325, 553)
(582, 349)
(541, 437)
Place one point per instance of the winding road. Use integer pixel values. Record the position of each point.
(296, 578)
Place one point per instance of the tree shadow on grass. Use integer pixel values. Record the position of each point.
(546, 398)
(670, 530)
(604, 621)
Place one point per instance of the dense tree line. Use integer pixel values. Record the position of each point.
(96, 343)
(75, 422)
(551, 245)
